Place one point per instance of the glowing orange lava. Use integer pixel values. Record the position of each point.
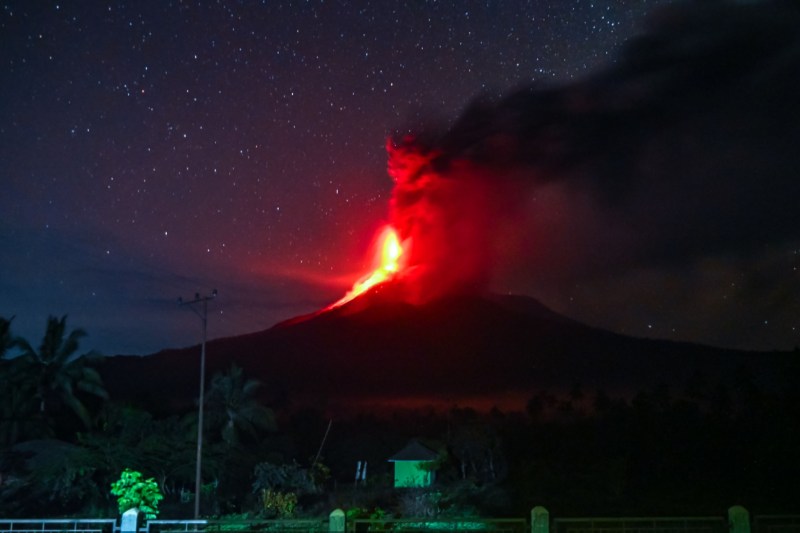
(387, 265)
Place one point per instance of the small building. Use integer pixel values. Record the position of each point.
(413, 466)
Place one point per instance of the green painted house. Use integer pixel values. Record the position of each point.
(413, 466)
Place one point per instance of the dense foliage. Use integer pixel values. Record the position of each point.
(695, 447)
(135, 492)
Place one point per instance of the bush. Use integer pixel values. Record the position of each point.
(278, 504)
(134, 492)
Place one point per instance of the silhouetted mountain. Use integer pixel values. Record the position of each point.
(461, 349)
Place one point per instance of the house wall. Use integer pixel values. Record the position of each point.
(411, 474)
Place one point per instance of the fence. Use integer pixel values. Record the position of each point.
(237, 526)
(58, 526)
(776, 524)
(711, 524)
(173, 526)
(738, 521)
(496, 525)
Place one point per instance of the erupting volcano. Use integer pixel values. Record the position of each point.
(388, 264)
(439, 237)
(606, 182)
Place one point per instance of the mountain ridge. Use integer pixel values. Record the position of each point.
(460, 348)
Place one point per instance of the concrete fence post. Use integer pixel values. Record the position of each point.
(131, 521)
(336, 521)
(738, 519)
(540, 520)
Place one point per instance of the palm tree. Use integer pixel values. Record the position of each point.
(17, 417)
(234, 408)
(6, 340)
(55, 371)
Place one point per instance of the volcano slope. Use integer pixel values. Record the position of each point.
(466, 349)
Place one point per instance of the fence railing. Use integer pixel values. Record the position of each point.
(494, 525)
(776, 524)
(90, 525)
(758, 524)
(703, 524)
(173, 526)
(236, 526)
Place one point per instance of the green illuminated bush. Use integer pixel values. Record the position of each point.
(278, 504)
(134, 492)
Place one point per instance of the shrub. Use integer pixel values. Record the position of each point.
(278, 504)
(134, 492)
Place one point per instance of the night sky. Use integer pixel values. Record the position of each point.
(150, 150)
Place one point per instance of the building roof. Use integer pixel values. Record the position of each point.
(414, 451)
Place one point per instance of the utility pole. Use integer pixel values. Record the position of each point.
(198, 481)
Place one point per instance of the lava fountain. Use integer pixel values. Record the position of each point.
(387, 264)
(441, 226)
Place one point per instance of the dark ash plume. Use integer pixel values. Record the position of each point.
(686, 145)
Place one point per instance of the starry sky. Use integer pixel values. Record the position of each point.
(151, 150)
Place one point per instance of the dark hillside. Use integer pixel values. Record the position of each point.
(453, 350)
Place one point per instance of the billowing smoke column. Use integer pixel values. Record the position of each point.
(685, 145)
(447, 219)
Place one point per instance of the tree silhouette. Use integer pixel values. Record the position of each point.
(234, 409)
(6, 340)
(56, 373)
(19, 418)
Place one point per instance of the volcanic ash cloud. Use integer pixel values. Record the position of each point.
(447, 214)
(647, 162)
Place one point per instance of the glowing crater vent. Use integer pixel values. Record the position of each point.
(388, 257)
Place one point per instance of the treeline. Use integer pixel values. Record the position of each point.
(63, 440)
(695, 448)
